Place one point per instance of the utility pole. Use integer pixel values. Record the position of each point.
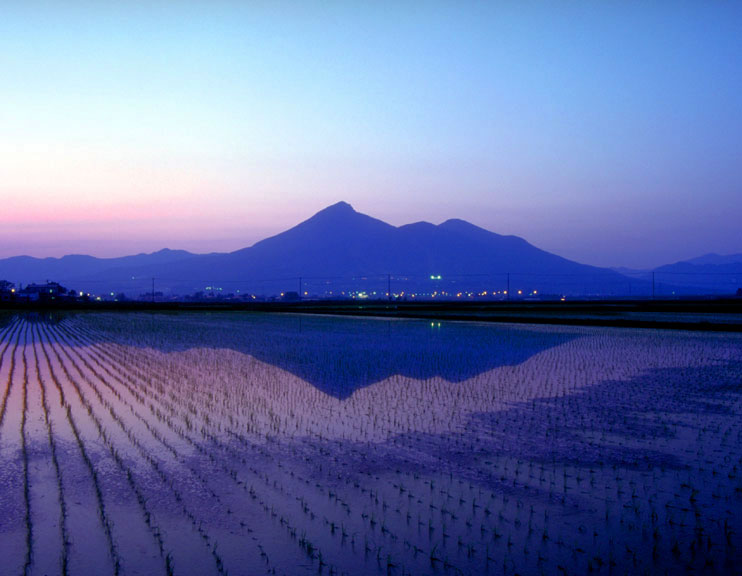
(389, 286)
(508, 290)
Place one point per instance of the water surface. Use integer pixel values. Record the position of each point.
(208, 443)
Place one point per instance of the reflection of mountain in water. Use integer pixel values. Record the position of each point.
(348, 356)
(341, 355)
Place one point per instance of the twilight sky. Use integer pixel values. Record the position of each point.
(606, 132)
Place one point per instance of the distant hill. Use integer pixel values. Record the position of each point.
(707, 274)
(77, 265)
(715, 260)
(86, 272)
(338, 250)
(712, 273)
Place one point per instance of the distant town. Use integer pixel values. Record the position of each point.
(51, 292)
(43, 293)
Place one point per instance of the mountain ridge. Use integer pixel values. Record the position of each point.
(340, 245)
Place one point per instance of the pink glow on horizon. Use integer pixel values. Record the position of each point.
(121, 238)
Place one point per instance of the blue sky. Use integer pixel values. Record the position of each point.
(607, 132)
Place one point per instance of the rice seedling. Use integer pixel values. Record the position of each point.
(224, 443)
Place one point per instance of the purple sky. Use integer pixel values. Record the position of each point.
(604, 132)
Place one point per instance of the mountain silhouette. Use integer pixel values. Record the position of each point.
(715, 260)
(338, 247)
(710, 273)
(77, 267)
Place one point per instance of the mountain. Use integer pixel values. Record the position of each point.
(704, 275)
(77, 268)
(708, 264)
(716, 260)
(711, 273)
(340, 250)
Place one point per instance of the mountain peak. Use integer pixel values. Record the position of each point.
(338, 208)
(459, 225)
(335, 214)
(455, 222)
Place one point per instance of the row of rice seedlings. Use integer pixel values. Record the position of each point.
(113, 376)
(127, 470)
(13, 335)
(453, 392)
(620, 494)
(332, 524)
(41, 479)
(103, 515)
(63, 528)
(396, 511)
(565, 476)
(198, 524)
(129, 385)
(256, 472)
(323, 420)
(6, 336)
(13, 540)
(276, 426)
(107, 438)
(384, 529)
(231, 473)
(128, 378)
(24, 452)
(568, 478)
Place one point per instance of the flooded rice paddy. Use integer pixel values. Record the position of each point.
(232, 443)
